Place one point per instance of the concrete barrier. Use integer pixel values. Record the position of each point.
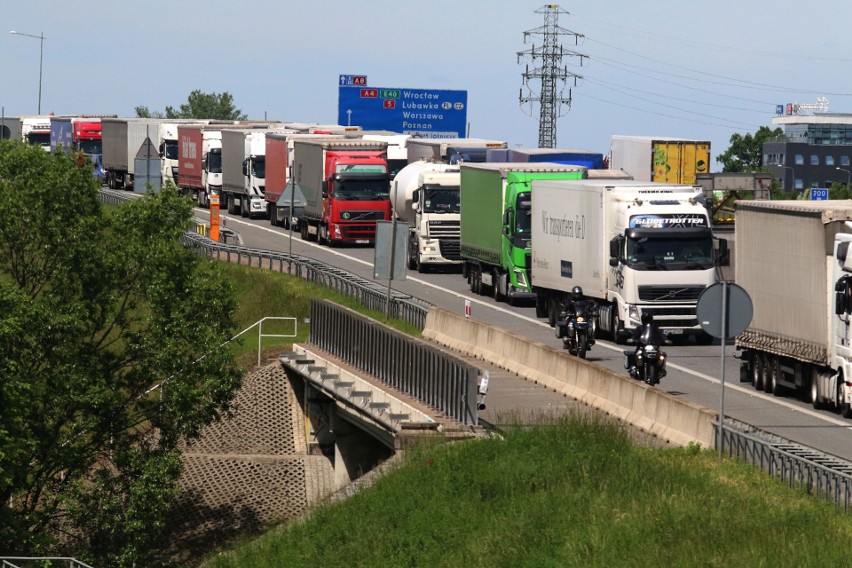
(678, 421)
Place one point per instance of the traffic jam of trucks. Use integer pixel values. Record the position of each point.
(525, 225)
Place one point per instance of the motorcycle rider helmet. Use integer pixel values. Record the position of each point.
(647, 318)
(577, 293)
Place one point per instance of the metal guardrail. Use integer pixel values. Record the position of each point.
(439, 379)
(822, 475)
(369, 294)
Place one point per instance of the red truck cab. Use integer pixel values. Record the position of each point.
(356, 194)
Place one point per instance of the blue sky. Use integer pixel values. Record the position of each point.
(702, 70)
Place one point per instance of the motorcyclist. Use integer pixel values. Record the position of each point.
(579, 306)
(649, 333)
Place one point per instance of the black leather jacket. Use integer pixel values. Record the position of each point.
(648, 334)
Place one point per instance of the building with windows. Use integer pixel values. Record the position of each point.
(815, 150)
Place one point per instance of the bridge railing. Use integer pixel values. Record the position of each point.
(824, 476)
(409, 365)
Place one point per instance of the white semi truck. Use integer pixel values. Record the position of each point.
(426, 196)
(36, 130)
(633, 247)
(794, 259)
(244, 170)
(122, 138)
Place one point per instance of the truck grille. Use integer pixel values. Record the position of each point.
(358, 232)
(673, 317)
(451, 249)
(669, 293)
(362, 215)
(444, 229)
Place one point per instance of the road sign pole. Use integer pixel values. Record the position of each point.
(721, 441)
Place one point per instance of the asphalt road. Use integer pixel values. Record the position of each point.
(694, 371)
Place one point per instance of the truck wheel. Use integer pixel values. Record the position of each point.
(245, 211)
(231, 209)
(475, 280)
(552, 310)
(421, 268)
(775, 374)
(495, 286)
(845, 407)
(304, 231)
(768, 368)
(617, 328)
(540, 305)
(816, 401)
(757, 371)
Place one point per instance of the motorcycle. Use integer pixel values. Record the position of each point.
(647, 363)
(577, 330)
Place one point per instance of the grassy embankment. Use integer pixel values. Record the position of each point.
(570, 493)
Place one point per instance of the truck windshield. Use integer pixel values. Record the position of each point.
(214, 162)
(39, 138)
(662, 253)
(90, 147)
(441, 200)
(258, 167)
(395, 165)
(362, 190)
(170, 150)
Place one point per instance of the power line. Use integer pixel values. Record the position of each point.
(736, 82)
(727, 126)
(724, 48)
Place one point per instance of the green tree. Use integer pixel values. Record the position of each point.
(145, 112)
(217, 106)
(110, 335)
(745, 152)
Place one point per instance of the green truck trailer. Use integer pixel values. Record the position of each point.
(496, 225)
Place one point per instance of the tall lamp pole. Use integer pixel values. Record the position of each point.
(848, 175)
(792, 175)
(39, 37)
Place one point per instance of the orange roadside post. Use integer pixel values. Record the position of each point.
(214, 218)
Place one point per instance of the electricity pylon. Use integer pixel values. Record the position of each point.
(548, 68)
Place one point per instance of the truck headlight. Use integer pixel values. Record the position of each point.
(521, 278)
(633, 313)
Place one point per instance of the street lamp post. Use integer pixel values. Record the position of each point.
(40, 60)
(792, 175)
(848, 175)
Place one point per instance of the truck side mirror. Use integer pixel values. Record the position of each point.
(508, 221)
(245, 167)
(614, 250)
(161, 149)
(841, 296)
(324, 189)
(724, 255)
